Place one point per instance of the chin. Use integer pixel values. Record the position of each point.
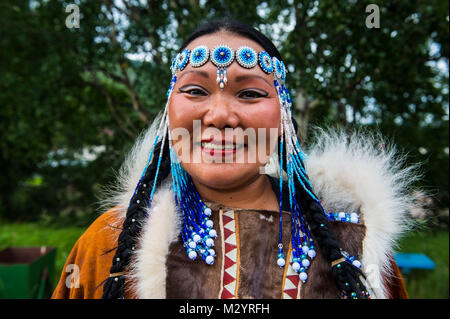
(222, 175)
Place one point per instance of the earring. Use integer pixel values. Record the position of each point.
(301, 240)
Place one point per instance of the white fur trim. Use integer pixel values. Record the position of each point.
(350, 173)
(118, 195)
(148, 268)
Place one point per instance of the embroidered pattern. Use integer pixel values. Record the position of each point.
(230, 242)
(291, 281)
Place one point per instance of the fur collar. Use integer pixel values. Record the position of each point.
(349, 173)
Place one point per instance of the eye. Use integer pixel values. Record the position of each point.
(251, 94)
(193, 91)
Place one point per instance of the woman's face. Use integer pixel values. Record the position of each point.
(227, 134)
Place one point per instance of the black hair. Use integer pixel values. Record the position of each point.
(346, 275)
(114, 286)
(233, 26)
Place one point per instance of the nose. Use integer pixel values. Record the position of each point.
(220, 113)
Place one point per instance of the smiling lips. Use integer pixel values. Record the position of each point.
(221, 148)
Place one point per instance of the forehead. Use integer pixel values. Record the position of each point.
(233, 40)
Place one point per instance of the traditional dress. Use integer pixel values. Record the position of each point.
(351, 177)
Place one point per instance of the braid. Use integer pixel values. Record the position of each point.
(114, 286)
(346, 276)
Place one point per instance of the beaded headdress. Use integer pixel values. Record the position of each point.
(197, 229)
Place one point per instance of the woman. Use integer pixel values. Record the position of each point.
(199, 218)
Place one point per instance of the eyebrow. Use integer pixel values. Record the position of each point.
(201, 73)
(238, 78)
(248, 76)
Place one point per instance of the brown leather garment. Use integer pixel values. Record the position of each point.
(259, 276)
(92, 259)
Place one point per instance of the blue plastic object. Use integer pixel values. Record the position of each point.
(407, 261)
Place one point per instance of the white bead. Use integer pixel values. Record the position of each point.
(209, 242)
(303, 276)
(312, 253)
(356, 263)
(209, 260)
(305, 262)
(296, 266)
(341, 215)
(207, 211)
(209, 223)
(305, 249)
(354, 218)
(213, 233)
(196, 238)
(192, 255)
(281, 262)
(212, 252)
(192, 244)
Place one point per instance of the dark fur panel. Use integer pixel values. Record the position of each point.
(320, 283)
(260, 277)
(193, 279)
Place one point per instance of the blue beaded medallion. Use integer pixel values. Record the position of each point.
(173, 67)
(222, 56)
(278, 68)
(265, 62)
(183, 59)
(199, 56)
(246, 57)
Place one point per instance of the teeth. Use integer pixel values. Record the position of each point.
(218, 146)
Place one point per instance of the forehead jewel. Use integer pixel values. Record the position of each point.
(222, 56)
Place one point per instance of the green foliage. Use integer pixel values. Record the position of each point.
(65, 91)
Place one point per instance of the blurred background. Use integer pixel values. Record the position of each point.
(81, 79)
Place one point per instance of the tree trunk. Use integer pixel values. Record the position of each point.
(304, 105)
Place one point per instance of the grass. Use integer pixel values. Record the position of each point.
(30, 234)
(426, 284)
(419, 284)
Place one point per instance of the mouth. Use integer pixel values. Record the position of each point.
(223, 148)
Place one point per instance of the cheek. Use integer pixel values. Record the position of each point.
(182, 114)
(264, 115)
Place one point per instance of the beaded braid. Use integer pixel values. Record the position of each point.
(114, 286)
(346, 275)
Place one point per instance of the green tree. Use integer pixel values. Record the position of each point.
(67, 91)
